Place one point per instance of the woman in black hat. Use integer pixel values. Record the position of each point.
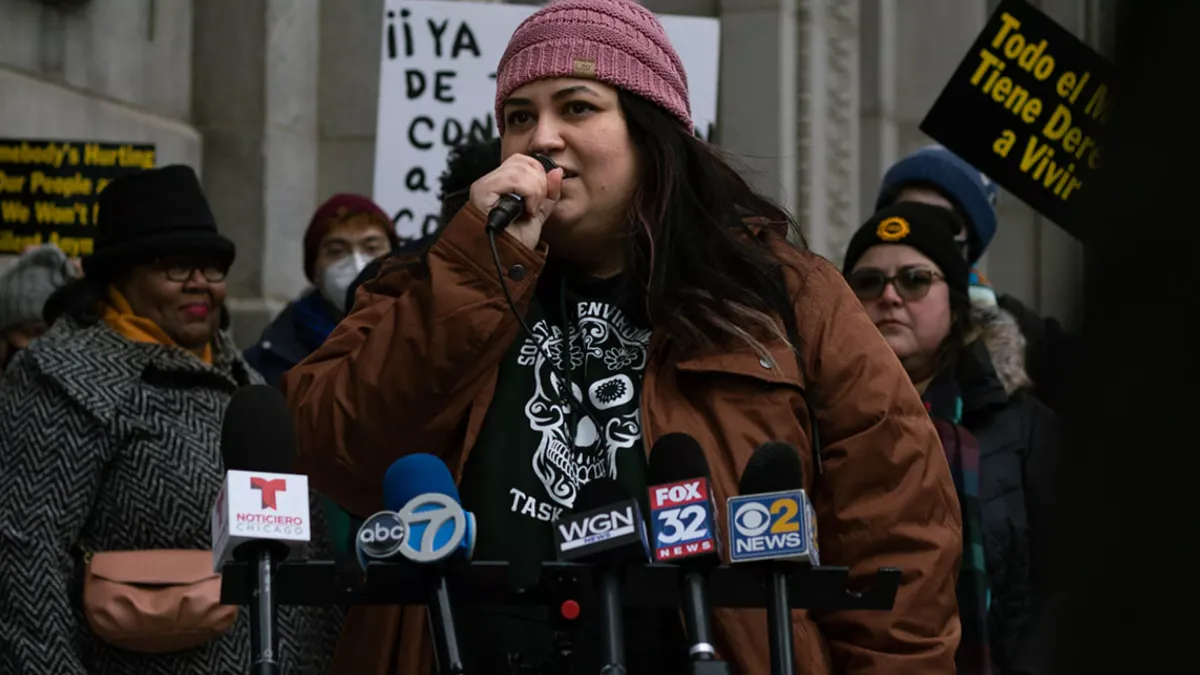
(111, 443)
(907, 270)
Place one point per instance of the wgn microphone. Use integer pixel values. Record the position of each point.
(421, 492)
(684, 531)
(262, 511)
(607, 529)
(773, 523)
(511, 206)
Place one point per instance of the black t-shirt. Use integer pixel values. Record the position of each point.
(562, 415)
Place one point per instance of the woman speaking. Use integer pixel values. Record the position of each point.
(647, 289)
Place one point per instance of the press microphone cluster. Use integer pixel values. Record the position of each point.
(423, 524)
(261, 515)
(772, 525)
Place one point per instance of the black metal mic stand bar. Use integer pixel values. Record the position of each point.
(321, 582)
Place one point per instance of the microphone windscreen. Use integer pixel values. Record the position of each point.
(675, 457)
(547, 163)
(774, 467)
(257, 432)
(598, 493)
(413, 475)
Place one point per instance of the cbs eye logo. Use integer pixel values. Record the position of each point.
(755, 518)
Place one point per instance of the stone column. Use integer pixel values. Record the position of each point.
(255, 71)
(827, 125)
(877, 92)
(757, 99)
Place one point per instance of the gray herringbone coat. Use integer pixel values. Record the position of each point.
(116, 444)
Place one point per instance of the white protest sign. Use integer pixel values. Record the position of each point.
(437, 88)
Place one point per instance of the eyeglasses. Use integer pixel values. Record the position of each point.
(911, 283)
(181, 272)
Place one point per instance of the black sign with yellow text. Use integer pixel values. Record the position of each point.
(48, 189)
(1024, 107)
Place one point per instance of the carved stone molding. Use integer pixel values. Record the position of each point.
(827, 122)
(841, 128)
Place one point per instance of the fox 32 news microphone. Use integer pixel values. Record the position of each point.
(684, 532)
(773, 524)
(606, 529)
(261, 514)
(424, 524)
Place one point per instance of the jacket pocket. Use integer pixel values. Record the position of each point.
(780, 367)
(747, 399)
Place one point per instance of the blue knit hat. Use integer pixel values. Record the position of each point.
(964, 185)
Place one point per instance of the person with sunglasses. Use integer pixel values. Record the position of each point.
(905, 267)
(934, 175)
(110, 441)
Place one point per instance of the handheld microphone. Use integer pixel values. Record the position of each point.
(606, 529)
(422, 493)
(773, 522)
(262, 512)
(511, 206)
(684, 531)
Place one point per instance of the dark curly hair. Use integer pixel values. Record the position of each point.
(468, 162)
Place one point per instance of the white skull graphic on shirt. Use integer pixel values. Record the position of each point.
(602, 341)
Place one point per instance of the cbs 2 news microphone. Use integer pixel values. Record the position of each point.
(773, 526)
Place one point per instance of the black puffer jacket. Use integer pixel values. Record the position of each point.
(1018, 437)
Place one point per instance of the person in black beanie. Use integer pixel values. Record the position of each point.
(907, 269)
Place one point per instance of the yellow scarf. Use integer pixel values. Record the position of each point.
(120, 317)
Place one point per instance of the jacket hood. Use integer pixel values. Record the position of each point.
(1005, 345)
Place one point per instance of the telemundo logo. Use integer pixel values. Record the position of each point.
(771, 526)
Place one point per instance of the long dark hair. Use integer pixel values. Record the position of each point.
(705, 276)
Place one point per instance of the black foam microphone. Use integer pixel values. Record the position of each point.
(257, 437)
(684, 532)
(605, 528)
(772, 511)
(511, 206)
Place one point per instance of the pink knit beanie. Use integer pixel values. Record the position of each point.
(617, 42)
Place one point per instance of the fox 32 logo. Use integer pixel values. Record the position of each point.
(775, 525)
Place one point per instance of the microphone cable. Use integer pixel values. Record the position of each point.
(549, 165)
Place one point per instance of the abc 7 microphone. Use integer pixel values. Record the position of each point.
(428, 529)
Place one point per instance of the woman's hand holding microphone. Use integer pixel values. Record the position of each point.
(525, 177)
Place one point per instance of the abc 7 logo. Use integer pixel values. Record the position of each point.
(752, 519)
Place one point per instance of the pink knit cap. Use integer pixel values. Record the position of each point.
(617, 42)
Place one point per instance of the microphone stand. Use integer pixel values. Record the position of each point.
(264, 639)
(612, 629)
(702, 654)
(441, 622)
(779, 622)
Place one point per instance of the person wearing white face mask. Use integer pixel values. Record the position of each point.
(345, 234)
